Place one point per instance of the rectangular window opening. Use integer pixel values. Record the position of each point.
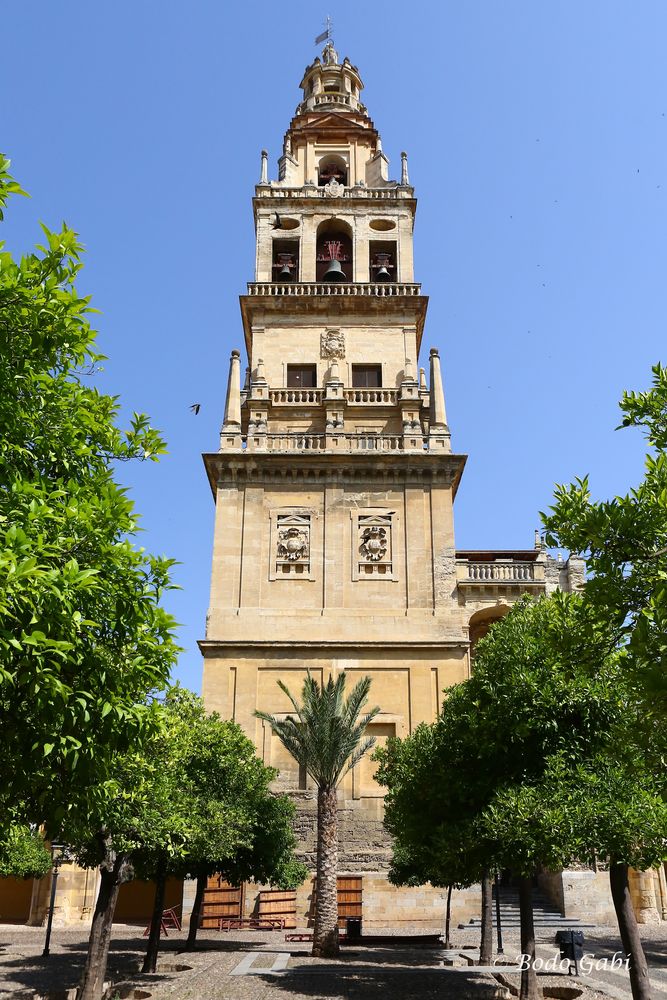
(366, 376)
(301, 376)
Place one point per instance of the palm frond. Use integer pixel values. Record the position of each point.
(327, 735)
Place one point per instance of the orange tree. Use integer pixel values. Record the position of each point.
(513, 772)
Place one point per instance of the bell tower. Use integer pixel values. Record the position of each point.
(335, 478)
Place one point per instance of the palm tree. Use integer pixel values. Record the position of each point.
(326, 737)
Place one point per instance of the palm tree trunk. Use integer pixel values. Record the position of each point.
(325, 936)
(486, 941)
(627, 925)
(530, 989)
(153, 947)
(195, 916)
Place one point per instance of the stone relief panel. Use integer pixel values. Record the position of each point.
(332, 345)
(372, 544)
(291, 545)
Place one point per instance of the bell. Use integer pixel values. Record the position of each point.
(383, 274)
(334, 272)
(285, 273)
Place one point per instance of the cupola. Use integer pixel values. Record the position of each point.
(330, 85)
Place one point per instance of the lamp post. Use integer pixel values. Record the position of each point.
(499, 929)
(58, 855)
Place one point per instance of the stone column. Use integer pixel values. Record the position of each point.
(405, 180)
(437, 414)
(233, 402)
(438, 429)
(230, 435)
(264, 175)
(642, 889)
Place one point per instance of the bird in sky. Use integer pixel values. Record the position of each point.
(196, 407)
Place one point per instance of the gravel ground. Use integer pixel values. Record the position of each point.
(362, 973)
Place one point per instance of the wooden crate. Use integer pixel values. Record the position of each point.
(220, 900)
(278, 904)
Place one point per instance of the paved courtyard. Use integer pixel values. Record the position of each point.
(263, 966)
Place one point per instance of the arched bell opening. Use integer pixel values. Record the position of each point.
(383, 266)
(331, 168)
(334, 252)
(481, 622)
(285, 264)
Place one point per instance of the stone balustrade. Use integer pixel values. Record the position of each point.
(483, 571)
(372, 396)
(501, 571)
(332, 442)
(364, 288)
(312, 191)
(290, 396)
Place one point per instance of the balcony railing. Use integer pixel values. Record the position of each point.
(312, 191)
(282, 397)
(364, 396)
(358, 288)
(335, 443)
(314, 397)
(496, 572)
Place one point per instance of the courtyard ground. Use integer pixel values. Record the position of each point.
(253, 965)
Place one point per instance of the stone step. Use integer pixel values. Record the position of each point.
(562, 923)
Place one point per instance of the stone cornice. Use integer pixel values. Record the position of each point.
(239, 469)
(209, 647)
(409, 309)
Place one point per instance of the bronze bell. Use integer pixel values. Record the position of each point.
(383, 274)
(334, 272)
(285, 273)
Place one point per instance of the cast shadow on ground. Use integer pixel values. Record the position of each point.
(346, 984)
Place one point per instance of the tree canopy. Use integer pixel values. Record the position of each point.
(83, 636)
(532, 762)
(624, 543)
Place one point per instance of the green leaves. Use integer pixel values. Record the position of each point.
(83, 638)
(533, 761)
(326, 735)
(23, 854)
(195, 798)
(624, 542)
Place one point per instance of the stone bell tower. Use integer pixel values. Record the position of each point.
(335, 478)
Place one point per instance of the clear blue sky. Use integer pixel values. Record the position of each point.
(537, 142)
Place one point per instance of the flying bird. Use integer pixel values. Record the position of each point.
(277, 224)
(196, 407)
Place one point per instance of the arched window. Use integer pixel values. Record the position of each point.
(334, 252)
(332, 168)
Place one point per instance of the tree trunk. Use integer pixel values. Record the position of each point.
(195, 916)
(153, 947)
(627, 925)
(530, 989)
(325, 936)
(486, 940)
(448, 917)
(113, 872)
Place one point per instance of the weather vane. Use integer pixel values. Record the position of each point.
(327, 33)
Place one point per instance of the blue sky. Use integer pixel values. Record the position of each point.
(537, 142)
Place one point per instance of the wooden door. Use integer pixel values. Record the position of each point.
(349, 897)
(220, 900)
(278, 904)
(349, 888)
